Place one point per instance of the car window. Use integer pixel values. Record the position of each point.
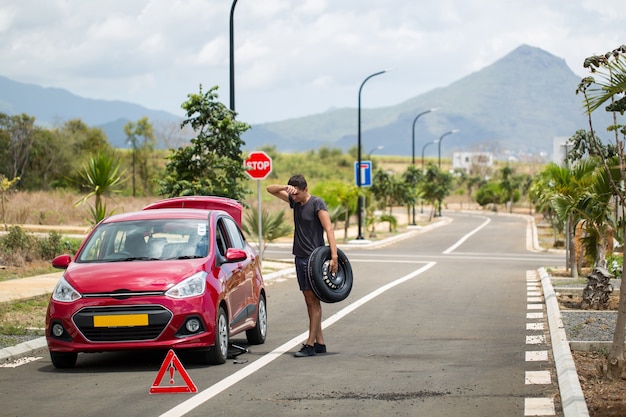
(147, 240)
(236, 239)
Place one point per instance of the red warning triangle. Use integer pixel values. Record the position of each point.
(172, 364)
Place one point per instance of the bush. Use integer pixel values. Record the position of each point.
(18, 247)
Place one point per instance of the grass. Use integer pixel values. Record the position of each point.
(29, 270)
(24, 317)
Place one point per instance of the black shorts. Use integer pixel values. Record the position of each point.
(302, 272)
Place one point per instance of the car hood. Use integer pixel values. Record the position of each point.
(132, 276)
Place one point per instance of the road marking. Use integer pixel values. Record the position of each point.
(467, 236)
(20, 362)
(539, 407)
(534, 326)
(535, 340)
(536, 355)
(203, 396)
(538, 377)
(536, 406)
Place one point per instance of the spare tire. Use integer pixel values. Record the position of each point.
(327, 287)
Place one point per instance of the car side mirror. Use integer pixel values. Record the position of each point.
(61, 261)
(236, 255)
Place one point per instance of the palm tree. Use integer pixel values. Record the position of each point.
(273, 226)
(612, 69)
(102, 177)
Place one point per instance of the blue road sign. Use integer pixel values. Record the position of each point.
(366, 173)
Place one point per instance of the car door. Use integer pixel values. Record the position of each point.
(238, 282)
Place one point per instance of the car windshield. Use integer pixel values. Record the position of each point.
(147, 240)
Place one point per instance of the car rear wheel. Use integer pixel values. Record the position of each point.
(256, 335)
(329, 288)
(63, 359)
(219, 352)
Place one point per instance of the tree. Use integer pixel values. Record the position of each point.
(273, 226)
(339, 194)
(5, 185)
(491, 193)
(101, 177)
(19, 132)
(141, 137)
(212, 164)
(412, 176)
(436, 186)
(611, 68)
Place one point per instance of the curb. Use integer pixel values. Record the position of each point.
(572, 397)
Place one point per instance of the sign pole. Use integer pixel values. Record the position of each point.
(258, 191)
(258, 166)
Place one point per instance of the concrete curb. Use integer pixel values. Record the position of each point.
(23, 349)
(572, 397)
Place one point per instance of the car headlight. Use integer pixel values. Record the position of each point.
(64, 292)
(190, 287)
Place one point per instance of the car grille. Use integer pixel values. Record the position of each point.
(92, 323)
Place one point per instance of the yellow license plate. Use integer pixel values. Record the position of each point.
(121, 320)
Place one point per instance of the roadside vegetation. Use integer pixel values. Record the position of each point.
(581, 200)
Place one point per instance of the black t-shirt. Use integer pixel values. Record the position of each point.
(309, 232)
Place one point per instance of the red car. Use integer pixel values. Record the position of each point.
(178, 274)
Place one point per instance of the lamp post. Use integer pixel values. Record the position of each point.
(415, 121)
(439, 157)
(424, 148)
(441, 140)
(379, 147)
(358, 170)
(232, 55)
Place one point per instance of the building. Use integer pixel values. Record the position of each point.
(472, 162)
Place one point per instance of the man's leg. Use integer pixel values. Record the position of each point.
(314, 308)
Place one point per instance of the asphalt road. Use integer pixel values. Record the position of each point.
(435, 326)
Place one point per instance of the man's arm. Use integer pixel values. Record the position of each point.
(330, 235)
(281, 191)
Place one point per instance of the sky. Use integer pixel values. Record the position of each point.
(293, 58)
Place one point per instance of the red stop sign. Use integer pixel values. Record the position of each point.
(258, 165)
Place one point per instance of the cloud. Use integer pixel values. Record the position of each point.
(292, 57)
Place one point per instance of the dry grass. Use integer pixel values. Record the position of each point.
(58, 208)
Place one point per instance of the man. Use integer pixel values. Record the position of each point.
(311, 220)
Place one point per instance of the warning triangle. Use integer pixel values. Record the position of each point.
(171, 365)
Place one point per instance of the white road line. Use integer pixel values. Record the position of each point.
(539, 407)
(538, 378)
(203, 396)
(467, 236)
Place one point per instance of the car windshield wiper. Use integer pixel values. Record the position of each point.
(133, 258)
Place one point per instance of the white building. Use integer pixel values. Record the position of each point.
(559, 149)
(472, 162)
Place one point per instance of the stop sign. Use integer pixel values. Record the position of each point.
(258, 165)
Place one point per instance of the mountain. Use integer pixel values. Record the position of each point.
(515, 106)
(52, 106)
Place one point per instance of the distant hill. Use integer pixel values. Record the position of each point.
(52, 106)
(513, 107)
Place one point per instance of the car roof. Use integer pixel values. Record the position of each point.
(164, 214)
(232, 207)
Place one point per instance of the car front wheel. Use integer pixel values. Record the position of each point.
(256, 335)
(63, 360)
(219, 352)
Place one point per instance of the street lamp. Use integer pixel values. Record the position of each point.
(415, 121)
(232, 55)
(379, 147)
(440, 140)
(424, 148)
(439, 157)
(358, 170)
